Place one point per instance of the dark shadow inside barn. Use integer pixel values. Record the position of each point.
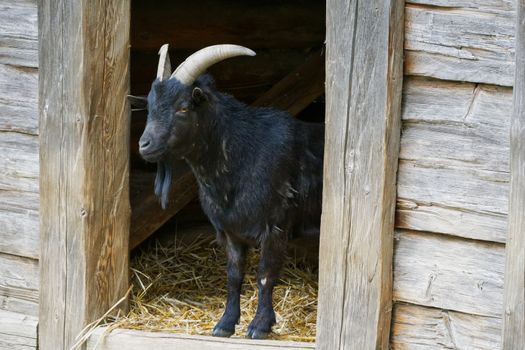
(178, 271)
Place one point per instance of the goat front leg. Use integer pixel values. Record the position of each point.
(273, 252)
(236, 253)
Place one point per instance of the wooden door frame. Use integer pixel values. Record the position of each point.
(84, 165)
(84, 162)
(514, 312)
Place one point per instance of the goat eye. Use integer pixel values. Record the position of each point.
(182, 110)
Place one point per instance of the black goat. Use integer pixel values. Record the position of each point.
(259, 172)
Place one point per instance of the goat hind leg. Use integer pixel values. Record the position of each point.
(273, 252)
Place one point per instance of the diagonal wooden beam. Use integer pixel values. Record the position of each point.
(293, 93)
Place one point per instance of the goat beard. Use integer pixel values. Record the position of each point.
(163, 182)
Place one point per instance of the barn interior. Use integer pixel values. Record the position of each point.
(286, 73)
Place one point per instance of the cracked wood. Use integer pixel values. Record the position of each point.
(454, 159)
(84, 160)
(514, 312)
(363, 99)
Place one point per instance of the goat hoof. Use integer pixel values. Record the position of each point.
(256, 334)
(224, 333)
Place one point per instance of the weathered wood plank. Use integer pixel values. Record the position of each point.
(18, 33)
(19, 223)
(19, 279)
(461, 42)
(84, 156)
(421, 328)
(17, 331)
(501, 7)
(454, 168)
(19, 194)
(135, 340)
(363, 98)
(514, 316)
(18, 100)
(449, 273)
(18, 162)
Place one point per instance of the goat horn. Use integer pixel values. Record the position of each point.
(164, 67)
(198, 62)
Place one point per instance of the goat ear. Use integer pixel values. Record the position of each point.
(198, 95)
(138, 103)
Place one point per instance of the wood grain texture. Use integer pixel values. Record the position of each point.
(19, 194)
(17, 331)
(459, 40)
(18, 33)
(363, 98)
(514, 316)
(84, 156)
(454, 159)
(138, 340)
(19, 99)
(449, 273)
(421, 328)
(19, 280)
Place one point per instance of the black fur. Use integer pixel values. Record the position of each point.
(259, 173)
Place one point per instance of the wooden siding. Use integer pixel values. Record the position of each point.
(454, 159)
(424, 328)
(454, 173)
(18, 284)
(461, 40)
(19, 193)
(17, 331)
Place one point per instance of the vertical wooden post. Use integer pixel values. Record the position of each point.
(514, 317)
(364, 71)
(84, 156)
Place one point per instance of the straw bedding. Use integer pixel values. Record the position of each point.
(179, 286)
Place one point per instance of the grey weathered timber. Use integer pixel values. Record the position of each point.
(459, 40)
(84, 156)
(417, 327)
(138, 340)
(18, 128)
(19, 99)
(17, 331)
(18, 33)
(18, 284)
(454, 168)
(514, 315)
(363, 98)
(19, 194)
(449, 273)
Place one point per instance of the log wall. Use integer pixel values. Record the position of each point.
(453, 179)
(19, 194)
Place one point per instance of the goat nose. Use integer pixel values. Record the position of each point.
(144, 143)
